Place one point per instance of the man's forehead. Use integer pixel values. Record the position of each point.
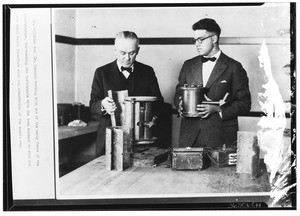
(200, 33)
(126, 46)
(126, 41)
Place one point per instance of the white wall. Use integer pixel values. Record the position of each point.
(65, 56)
(243, 21)
(65, 22)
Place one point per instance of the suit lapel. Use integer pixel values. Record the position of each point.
(136, 69)
(217, 70)
(196, 73)
(115, 76)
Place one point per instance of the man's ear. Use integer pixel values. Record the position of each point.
(215, 38)
(137, 50)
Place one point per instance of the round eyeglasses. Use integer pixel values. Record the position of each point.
(200, 40)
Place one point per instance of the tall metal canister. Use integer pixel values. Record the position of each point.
(191, 96)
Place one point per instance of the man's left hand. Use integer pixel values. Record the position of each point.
(206, 109)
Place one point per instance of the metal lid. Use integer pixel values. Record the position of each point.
(188, 149)
(141, 98)
(191, 87)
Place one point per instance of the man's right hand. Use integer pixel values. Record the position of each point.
(180, 108)
(109, 105)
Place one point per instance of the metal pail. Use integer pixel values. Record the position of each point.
(191, 96)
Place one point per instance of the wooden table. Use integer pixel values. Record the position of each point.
(77, 146)
(65, 131)
(93, 181)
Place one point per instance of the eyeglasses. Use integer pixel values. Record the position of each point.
(200, 40)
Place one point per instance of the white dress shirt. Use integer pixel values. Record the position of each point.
(124, 72)
(208, 66)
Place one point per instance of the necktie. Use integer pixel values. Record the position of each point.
(204, 59)
(129, 69)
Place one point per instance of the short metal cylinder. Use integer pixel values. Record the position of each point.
(191, 96)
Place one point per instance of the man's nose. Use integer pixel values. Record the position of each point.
(127, 56)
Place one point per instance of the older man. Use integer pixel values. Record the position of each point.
(125, 73)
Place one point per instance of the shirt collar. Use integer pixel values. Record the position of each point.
(217, 55)
(119, 66)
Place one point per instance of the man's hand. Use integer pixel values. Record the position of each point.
(206, 109)
(109, 105)
(180, 108)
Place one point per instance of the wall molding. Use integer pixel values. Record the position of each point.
(175, 40)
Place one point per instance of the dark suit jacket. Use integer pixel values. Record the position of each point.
(108, 77)
(229, 76)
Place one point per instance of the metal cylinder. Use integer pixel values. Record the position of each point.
(139, 113)
(141, 122)
(147, 118)
(191, 96)
(118, 148)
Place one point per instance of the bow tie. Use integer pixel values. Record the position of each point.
(204, 59)
(129, 69)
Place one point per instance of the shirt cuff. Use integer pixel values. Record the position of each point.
(103, 110)
(220, 113)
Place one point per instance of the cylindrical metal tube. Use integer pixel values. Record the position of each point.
(148, 117)
(142, 118)
(141, 122)
(118, 148)
(191, 96)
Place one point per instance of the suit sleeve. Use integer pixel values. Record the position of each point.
(154, 87)
(181, 82)
(97, 94)
(240, 102)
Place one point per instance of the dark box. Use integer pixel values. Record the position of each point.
(146, 156)
(188, 159)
